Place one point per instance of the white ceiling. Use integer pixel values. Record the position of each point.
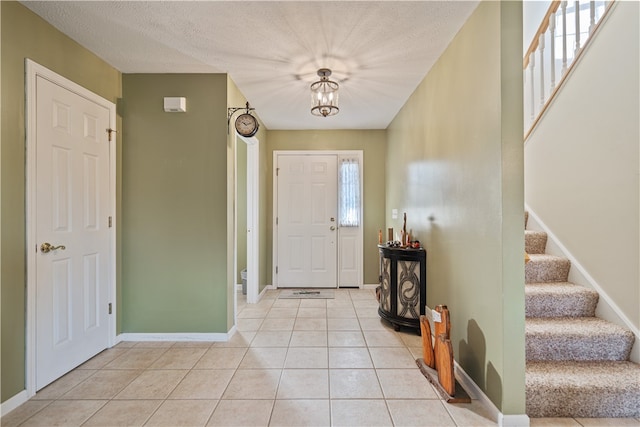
(379, 51)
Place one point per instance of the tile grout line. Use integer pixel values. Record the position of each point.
(362, 322)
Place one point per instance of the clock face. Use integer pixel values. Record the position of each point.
(246, 125)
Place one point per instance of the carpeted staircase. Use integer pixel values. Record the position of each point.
(577, 364)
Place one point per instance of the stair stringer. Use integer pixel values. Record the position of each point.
(606, 309)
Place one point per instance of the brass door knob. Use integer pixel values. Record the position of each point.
(332, 228)
(48, 247)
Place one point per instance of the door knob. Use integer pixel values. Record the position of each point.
(48, 247)
(332, 228)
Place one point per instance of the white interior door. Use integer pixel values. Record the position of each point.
(306, 221)
(72, 206)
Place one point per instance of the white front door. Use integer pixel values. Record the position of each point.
(306, 221)
(72, 206)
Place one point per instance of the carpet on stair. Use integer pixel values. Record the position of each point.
(546, 268)
(559, 299)
(535, 242)
(580, 339)
(577, 364)
(583, 389)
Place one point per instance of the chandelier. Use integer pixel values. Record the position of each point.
(324, 95)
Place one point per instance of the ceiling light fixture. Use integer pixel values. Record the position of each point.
(324, 95)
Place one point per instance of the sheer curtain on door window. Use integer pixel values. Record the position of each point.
(349, 193)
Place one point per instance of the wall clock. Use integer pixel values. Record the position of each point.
(246, 125)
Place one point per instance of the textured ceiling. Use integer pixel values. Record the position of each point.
(379, 51)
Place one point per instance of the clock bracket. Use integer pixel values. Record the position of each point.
(232, 110)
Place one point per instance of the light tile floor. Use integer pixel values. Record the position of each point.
(292, 363)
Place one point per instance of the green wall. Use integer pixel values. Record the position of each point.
(174, 198)
(373, 145)
(25, 35)
(455, 166)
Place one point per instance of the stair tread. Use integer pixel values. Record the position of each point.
(592, 374)
(576, 339)
(577, 326)
(602, 389)
(546, 268)
(559, 299)
(541, 233)
(546, 258)
(535, 241)
(557, 288)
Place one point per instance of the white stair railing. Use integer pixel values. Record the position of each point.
(561, 37)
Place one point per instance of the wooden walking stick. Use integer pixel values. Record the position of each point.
(444, 351)
(427, 347)
(444, 364)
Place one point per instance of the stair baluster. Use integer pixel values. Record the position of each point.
(541, 56)
(577, 16)
(552, 49)
(564, 38)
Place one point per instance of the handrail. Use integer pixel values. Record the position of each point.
(540, 79)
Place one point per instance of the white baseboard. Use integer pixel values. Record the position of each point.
(521, 420)
(231, 332)
(264, 291)
(475, 392)
(180, 336)
(372, 286)
(514, 420)
(13, 402)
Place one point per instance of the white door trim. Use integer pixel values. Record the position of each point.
(341, 154)
(33, 70)
(253, 218)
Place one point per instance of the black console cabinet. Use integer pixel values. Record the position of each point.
(403, 285)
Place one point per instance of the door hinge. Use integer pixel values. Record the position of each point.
(276, 269)
(110, 309)
(277, 171)
(276, 220)
(110, 222)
